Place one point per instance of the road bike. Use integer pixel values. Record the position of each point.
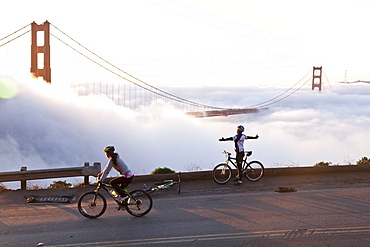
(253, 170)
(93, 204)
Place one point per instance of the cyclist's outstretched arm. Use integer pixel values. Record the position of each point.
(252, 137)
(225, 139)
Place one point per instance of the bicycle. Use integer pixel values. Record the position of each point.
(253, 170)
(166, 184)
(93, 204)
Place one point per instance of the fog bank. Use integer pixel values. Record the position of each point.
(50, 126)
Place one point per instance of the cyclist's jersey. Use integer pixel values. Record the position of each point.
(121, 167)
(239, 142)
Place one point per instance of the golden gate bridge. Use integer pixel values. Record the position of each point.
(130, 91)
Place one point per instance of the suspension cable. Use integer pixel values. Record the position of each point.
(15, 32)
(265, 102)
(179, 99)
(15, 38)
(286, 96)
(327, 79)
(150, 90)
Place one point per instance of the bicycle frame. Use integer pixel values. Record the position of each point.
(108, 188)
(160, 186)
(244, 162)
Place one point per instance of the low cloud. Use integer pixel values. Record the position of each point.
(49, 126)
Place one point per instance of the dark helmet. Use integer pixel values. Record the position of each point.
(241, 128)
(109, 149)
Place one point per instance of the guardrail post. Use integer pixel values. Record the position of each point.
(86, 178)
(97, 167)
(23, 182)
(179, 188)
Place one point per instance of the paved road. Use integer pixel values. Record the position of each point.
(204, 214)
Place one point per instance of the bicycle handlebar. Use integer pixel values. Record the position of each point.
(100, 182)
(248, 153)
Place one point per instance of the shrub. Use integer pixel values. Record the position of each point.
(59, 184)
(3, 187)
(193, 167)
(79, 185)
(34, 187)
(363, 161)
(322, 163)
(163, 170)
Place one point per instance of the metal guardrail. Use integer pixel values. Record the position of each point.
(284, 171)
(94, 170)
(23, 175)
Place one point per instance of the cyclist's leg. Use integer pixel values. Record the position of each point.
(120, 183)
(239, 162)
(126, 182)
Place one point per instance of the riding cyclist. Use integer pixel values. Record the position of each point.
(121, 182)
(239, 149)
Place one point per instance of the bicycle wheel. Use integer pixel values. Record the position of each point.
(254, 171)
(92, 205)
(222, 173)
(140, 204)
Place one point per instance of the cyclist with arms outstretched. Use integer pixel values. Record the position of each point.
(239, 149)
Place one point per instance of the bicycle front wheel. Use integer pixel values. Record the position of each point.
(254, 171)
(222, 173)
(140, 204)
(92, 205)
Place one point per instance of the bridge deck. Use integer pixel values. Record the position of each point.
(224, 112)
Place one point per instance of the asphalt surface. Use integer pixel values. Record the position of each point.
(328, 209)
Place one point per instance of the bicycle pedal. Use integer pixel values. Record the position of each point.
(122, 203)
(119, 207)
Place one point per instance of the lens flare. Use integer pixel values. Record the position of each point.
(8, 88)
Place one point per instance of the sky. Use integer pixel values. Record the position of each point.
(208, 43)
(223, 53)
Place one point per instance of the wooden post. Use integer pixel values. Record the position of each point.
(86, 178)
(23, 182)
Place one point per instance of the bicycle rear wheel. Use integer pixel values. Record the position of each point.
(222, 173)
(92, 205)
(254, 171)
(140, 204)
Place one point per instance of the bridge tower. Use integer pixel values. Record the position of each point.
(41, 52)
(316, 77)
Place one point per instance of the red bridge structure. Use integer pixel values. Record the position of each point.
(131, 92)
